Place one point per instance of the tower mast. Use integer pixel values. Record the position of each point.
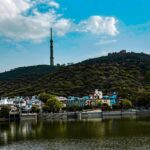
(51, 48)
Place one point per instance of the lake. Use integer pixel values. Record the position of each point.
(107, 134)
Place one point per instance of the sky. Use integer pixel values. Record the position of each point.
(82, 29)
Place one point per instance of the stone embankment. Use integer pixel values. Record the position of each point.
(70, 116)
(90, 115)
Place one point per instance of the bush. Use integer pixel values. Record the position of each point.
(105, 107)
(35, 109)
(143, 99)
(4, 112)
(116, 106)
(44, 97)
(99, 104)
(74, 108)
(45, 109)
(126, 104)
(64, 109)
(53, 105)
(88, 107)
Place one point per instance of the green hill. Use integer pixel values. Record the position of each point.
(21, 77)
(125, 73)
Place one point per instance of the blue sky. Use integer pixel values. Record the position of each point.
(82, 29)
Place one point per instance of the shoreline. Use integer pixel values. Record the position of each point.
(91, 115)
(88, 115)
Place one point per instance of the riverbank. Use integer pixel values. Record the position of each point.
(16, 116)
(85, 115)
(91, 115)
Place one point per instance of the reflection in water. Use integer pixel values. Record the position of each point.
(111, 134)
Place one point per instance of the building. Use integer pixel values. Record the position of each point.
(75, 101)
(6, 101)
(110, 99)
(92, 100)
(98, 94)
(23, 103)
(106, 100)
(113, 98)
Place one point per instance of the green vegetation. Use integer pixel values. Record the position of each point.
(51, 103)
(143, 99)
(35, 109)
(99, 105)
(23, 77)
(4, 111)
(105, 107)
(44, 97)
(116, 106)
(126, 104)
(74, 108)
(128, 74)
(88, 107)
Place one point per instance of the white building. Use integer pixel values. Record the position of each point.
(6, 101)
(98, 94)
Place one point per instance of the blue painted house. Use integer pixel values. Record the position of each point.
(92, 99)
(111, 98)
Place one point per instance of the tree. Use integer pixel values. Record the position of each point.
(126, 104)
(105, 107)
(143, 99)
(75, 107)
(147, 75)
(45, 109)
(116, 106)
(44, 97)
(35, 109)
(53, 104)
(4, 112)
(99, 104)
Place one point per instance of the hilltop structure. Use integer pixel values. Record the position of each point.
(51, 48)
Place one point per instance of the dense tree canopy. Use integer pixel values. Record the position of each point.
(143, 99)
(52, 104)
(44, 97)
(4, 111)
(35, 109)
(23, 77)
(126, 104)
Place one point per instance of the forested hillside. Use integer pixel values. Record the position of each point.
(125, 73)
(21, 77)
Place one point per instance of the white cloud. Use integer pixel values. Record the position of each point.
(14, 25)
(95, 24)
(17, 26)
(62, 26)
(106, 41)
(99, 25)
(54, 4)
(51, 3)
(12, 8)
(22, 28)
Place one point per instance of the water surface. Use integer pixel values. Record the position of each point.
(124, 133)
